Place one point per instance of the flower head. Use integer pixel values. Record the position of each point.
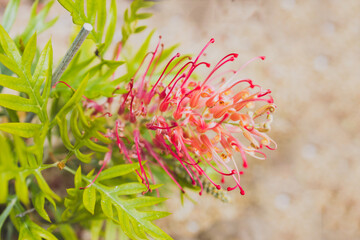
(198, 123)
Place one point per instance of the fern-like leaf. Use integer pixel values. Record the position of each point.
(10, 14)
(84, 130)
(27, 228)
(118, 204)
(95, 13)
(131, 17)
(25, 82)
(37, 22)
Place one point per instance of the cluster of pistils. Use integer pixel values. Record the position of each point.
(196, 120)
(209, 188)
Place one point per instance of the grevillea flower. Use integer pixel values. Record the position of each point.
(197, 123)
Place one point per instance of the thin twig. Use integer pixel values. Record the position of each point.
(25, 212)
(84, 32)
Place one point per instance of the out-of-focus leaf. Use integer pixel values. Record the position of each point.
(11, 202)
(26, 130)
(27, 228)
(10, 14)
(37, 22)
(21, 188)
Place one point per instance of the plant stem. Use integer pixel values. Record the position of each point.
(84, 32)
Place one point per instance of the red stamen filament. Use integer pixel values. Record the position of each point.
(137, 141)
(121, 146)
(153, 88)
(156, 157)
(65, 84)
(107, 159)
(220, 64)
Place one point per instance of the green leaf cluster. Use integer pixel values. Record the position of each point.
(63, 130)
(131, 17)
(95, 13)
(121, 204)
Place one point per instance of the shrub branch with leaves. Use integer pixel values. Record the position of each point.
(120, 134)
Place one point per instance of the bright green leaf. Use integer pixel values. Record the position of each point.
(89, 199)
(106, 205)
(129, 188)
(26, 130)
(117, 171)
(29, 54)
(145, 201)
(39, 202)
(22, 189)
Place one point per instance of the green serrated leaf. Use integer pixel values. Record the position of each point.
(4, 180)
(106, 205)
(26, 130)
(62, 123)
(101, 19)
(89, 199)
(11, 65)
(37, 22)
(27, 228)
(117, 171)
(9, 46)
(112, 25)
(91, 11)
(31, 85)
(129, 188)
(86, 158)
(14, 83)
(78, 179)
(7, 160)
(43, 72)
(29, 54)
(95, 147)
(22, 189)
(154, 215)
(39, 202)
(44, 186)
(18, 103)
(137, 229)
(126, 215)
(145, 201)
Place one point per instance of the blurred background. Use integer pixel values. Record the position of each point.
(309, 187)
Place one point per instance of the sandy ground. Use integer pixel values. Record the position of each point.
(309, 187)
